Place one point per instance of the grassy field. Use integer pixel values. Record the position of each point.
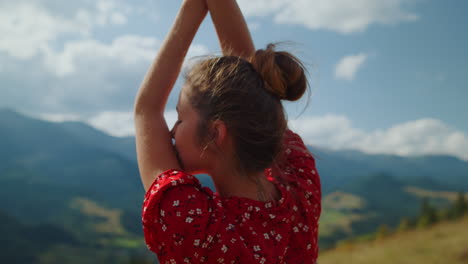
(109, 219)
(443, 243)
(341, 201)
(340, 211)
(450, 196)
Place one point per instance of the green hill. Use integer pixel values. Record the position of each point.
(23, 243)
(372, 201)
(86, 183)
(443, 243)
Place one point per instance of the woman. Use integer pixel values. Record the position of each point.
(232, 127)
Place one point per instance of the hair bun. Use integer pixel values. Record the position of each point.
(282, 72)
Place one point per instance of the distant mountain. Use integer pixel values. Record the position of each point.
(54, 162)
(45, 166)
(338, 168)
(59, 157)
(75, 154)
(124, 146)
(21, 134)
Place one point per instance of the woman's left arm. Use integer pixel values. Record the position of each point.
(231, 28)
(153, 141)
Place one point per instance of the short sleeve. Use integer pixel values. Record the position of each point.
(298, 162)
(176, 214)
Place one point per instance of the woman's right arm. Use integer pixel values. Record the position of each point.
(232, 30)
(154, 147)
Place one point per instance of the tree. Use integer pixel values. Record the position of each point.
(404, 225)
(139, 259)
(461, 206)
(382, 232)
(428, 214)
(446, 214)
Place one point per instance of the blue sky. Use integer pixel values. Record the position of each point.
(387, 76)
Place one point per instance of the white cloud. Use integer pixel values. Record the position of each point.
(56, 117)
(118, 18)
(121, 124)
(194, 54)
(254, 26)
(117, 124)
(171, 118)
(87, 76)
(49, 50)
(424, 136)
(261, 7)
(91, 76)
(342, 16)
(101, 76)
(127, 50)
(28, 28)
(108, 13)
(66, 69)
(348, 66)
(114, 123)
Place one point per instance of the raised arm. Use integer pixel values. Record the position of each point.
(233, 33)
(153, 141)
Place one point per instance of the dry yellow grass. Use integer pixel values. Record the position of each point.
(110, 217)
(332, 221)
(341, 200)
(450, 196)
(339, 214)
(445, 243)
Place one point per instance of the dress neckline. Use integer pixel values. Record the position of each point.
(272, 204)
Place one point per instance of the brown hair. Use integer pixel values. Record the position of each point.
(245, 95)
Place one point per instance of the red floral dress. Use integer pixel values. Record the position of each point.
(184, 222)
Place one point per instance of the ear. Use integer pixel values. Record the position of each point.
(218, 132)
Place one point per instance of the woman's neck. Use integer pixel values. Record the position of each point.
(231, 184)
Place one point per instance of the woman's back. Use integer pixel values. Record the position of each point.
(187, 223)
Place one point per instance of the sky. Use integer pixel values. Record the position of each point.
(386, 76)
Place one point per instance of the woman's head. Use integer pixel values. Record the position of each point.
(245, 95)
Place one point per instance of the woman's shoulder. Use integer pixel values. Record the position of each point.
(172, 177)
(172, 187)
(175, 204)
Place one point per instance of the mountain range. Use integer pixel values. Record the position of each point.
(79, 179)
